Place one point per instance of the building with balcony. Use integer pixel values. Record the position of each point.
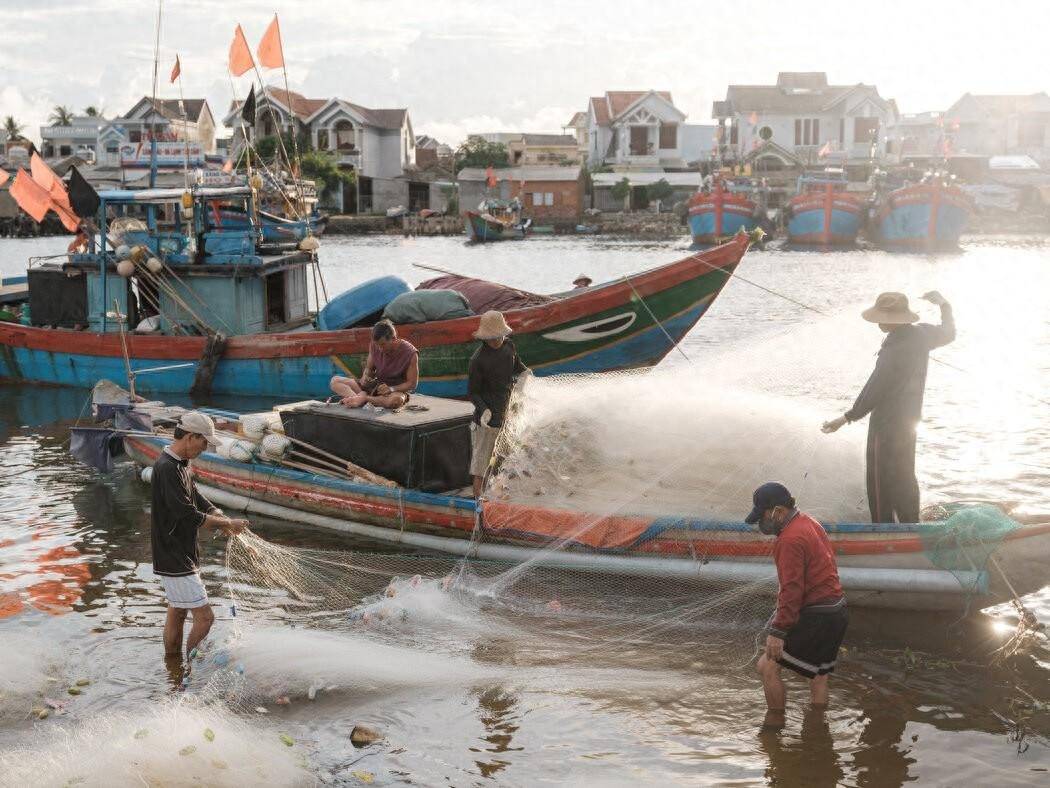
(547, 193)
(377, 144)
(631, 130)
(98, 140)
(818, 123)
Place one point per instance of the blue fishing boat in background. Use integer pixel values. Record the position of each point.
(497, 220)
(823, 212)
(930, 215)
(721, 213)
(274, 229)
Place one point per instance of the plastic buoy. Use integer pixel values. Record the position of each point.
(154, 265)
(125, 268)
(147, 474)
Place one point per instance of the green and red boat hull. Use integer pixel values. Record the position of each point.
(628, 323)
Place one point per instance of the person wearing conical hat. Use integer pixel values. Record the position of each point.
(493, 369)
(893, 397)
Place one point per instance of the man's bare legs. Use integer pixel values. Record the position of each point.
(203, 618)
(343, 386)
(391, 401)
(776, 693)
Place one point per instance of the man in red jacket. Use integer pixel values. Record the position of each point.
(810, 620)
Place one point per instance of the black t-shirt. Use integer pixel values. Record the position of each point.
(491, 376)
(178, 511)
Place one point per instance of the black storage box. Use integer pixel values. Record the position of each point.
(56, 299)
(425, 450)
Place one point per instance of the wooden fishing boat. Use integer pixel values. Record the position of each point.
(928, 216)
(823, 212)
(486, 226)
(881, 565)
(274, 229)
(272, 348)
(720, 214)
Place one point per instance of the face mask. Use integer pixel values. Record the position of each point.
(767, 525)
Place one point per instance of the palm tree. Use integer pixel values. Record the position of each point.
(61, 116)
(92, 111)
(13, 127)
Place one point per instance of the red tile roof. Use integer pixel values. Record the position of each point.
(615, 102)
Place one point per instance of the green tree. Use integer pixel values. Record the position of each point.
(13, 127)
(92, 111)
(621, 190)
(451, 194)
(661, 190)
(478, 152)
(321, 168)
(61, 116)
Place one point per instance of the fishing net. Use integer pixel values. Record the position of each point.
(966, 538)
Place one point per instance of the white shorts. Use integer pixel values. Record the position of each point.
(186, 591)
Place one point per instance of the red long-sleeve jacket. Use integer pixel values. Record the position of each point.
(806, 570)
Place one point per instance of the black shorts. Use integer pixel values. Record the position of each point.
(812, 646)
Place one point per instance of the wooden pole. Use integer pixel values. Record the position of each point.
(351, 468)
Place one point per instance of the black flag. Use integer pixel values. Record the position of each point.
(248, 109)
(82, 197)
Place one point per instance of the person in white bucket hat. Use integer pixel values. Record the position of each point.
(493, 369)
(178, 512)
(893, 396)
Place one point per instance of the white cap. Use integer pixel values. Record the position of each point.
(201, 424)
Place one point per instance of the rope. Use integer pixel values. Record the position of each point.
(656, 320)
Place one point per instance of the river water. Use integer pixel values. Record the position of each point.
(916, 698)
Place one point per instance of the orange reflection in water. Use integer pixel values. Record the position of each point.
(43, 576)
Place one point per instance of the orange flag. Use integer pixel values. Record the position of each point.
(176, 69)
(490, 177)
(3, 177)
(227, 166)
(240, 54)
(30, 195)
(270, 51)
(47, 179)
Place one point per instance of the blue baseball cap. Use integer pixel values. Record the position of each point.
(766, 497)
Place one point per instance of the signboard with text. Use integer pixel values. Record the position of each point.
(170, 155)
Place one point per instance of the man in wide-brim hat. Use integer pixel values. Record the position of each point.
(582, 281)
(893, 396)
(493, 369)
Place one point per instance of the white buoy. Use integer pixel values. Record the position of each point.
(154, 265)
(253, 427)
(125, 268)
(275, 446)
(147, 474)
(309, 244)
(242, 451)
(123, 252)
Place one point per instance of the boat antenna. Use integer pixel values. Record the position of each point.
(153, 101)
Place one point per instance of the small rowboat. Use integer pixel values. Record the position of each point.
(881, 565)
(486, 227)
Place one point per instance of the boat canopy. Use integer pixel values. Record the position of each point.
(160, 196)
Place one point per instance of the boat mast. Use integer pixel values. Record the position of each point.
(153, 102)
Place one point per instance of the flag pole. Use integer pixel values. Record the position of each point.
(277, 123)
(297, 171)
(185, 131)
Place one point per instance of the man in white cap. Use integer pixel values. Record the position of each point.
(493, 369)
(178, 512)
(893, 396)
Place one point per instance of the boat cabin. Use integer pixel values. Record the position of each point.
(169, 254)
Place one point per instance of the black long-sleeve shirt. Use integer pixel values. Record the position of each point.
(178, 511)
(490, 379)
(893, 394)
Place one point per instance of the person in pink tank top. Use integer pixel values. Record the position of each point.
(390, 375)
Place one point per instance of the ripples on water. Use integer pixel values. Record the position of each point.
(913, 698)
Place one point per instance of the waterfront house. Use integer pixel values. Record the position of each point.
(993, 125)
(819, 123)
(100, 140)
(378, 144)
(916, 134)
(431, 153)
(547, 193)
(631, 130)
(539, 149)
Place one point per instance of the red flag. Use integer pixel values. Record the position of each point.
(490, 177)
(240, 54)
(30, 196)
(3, 177)
(270, 51)
(753, 118)
(176, 69)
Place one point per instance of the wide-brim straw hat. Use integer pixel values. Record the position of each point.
(492, 326)
(890, 309)
(582, 278)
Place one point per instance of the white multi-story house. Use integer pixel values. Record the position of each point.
(99, 139)
(994, 125)
(631, 130)
(802, 113)
(378, 144)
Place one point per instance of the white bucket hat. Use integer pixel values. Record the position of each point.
(201, 424)
(890, 309)
(492, 326)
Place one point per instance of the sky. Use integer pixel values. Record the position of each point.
(463, 67)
